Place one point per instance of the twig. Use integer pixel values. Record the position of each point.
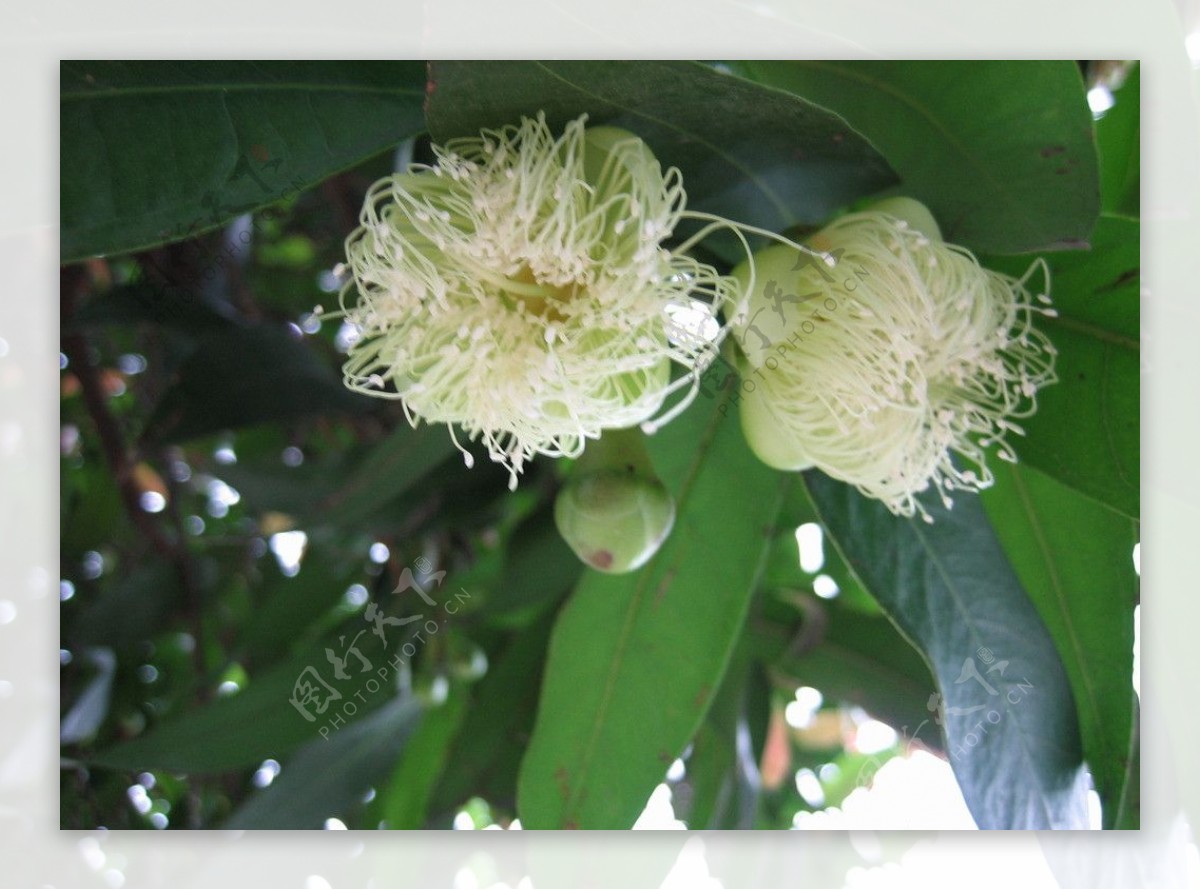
(73, 282)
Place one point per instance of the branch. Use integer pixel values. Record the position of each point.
(74, 282)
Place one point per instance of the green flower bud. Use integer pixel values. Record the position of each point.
(613, 511)
(762, 428)
(913, 212)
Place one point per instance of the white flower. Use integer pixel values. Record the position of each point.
(878, 367)
(519, 289)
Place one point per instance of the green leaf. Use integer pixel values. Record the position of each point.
(132, 608)
(854, 770)
(1086, 433)
(636, 659)
(863, 660)
(407, 793)
(783, 570)
(266, 484)
(539, 568)
(285, 608)
(153, 152)
(388, 471)
(328, 777)
(488, 749)
(1000, 151)
(1009, 717)
(1074, 557)
(260, 721)
(166, 305)
(750, 152)
(244, 376)
(1118, 139)
(722, 770)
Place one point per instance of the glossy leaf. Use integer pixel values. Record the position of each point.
(1086, 433)
(1000, 151)
(754, 153)
(153, 152)
(1074, 557)
(1009, 716)
(328, 777)
(636, 659)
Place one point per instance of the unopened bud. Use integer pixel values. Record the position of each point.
(614, 512)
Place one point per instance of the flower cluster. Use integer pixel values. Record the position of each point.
(519, 288)
(925, 353)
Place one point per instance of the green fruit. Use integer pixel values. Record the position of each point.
(614, 519)
(599, 143)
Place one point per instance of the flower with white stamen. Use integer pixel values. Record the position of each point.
(519, 289)
(877, 369)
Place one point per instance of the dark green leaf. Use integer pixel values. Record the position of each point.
(266, 484)
(539, 568)
(750, 152)
(158, 151)
(783, 570)
(636, 659)
(407, 793)
(243, 376)
(1118, 138)
(91, 511)
(1074, 557)
(1000, 151)
(722, 771)
(389, 470)
(130, 608)
(285, 608)
(260, 721)
(328, 777)
(1009, 716)
(1086, 433)
(488, 750)
(143, 302)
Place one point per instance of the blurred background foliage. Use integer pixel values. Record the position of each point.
(232, 515)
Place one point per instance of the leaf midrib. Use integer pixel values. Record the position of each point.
(972, 630)
(623, 639)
